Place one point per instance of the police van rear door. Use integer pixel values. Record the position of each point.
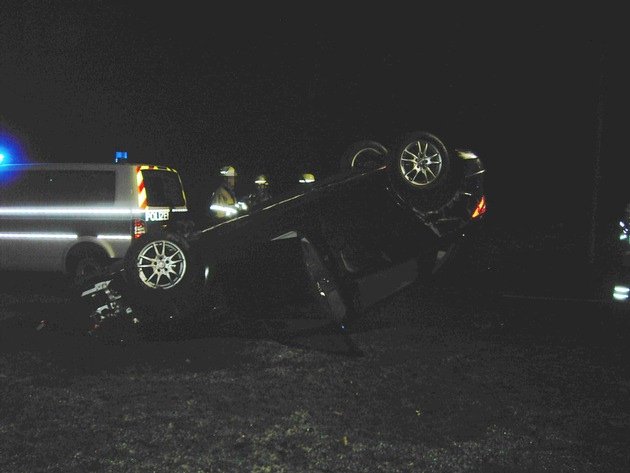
(162, 195)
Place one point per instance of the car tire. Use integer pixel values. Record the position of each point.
(420, 171)
(363, 155)
(162, 280)
(322, 284)
(158, 263)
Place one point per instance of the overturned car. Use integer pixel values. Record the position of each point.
(385, 219)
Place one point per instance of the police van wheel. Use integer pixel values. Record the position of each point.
(84, 265)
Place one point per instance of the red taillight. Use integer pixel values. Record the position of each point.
(139, 227)
(480, 209)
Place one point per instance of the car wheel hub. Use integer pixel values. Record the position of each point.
(161, 265)
(420, 163)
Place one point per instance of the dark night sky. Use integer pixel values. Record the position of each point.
(280, 91)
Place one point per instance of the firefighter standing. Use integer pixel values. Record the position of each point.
(223, 203)
(262, 189)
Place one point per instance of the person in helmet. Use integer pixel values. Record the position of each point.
(306, 180)
(263, 192)
(223, 201)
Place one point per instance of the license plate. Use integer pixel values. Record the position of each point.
(157, 215)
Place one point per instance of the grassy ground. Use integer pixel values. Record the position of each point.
(450, 380)
(495, 369)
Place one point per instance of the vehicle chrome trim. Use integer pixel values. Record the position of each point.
(286, 236)
(39, 236)
(69, 211)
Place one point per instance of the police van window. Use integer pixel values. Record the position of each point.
(164, 189)
(67, 187)
(91, 187)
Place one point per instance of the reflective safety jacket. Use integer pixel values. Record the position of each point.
(223, 203)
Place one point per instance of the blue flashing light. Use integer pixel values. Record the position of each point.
(5, 154)
(120, 156)
(11, 151)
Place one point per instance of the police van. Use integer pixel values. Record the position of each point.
(76, 218)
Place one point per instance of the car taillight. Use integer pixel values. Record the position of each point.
(480, 209)
(139, 227)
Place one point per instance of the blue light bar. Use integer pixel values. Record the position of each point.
(120, 155)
